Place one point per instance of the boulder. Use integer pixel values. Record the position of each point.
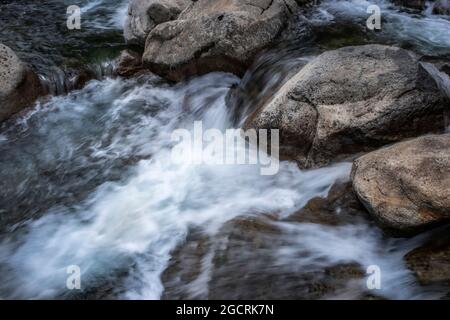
(354, 100)
(144, 15)
(221, 35)
(19, 85)
(406, 186)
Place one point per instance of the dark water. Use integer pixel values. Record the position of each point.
(37, 31)
(86, 178)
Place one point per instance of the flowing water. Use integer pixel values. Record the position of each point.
(87, 178)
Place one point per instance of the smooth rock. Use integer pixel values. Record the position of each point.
(406, 187)
(221, 35)
(144, 15)
(354, 100)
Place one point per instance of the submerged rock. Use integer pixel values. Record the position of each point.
(144, 15)
(241, 263)
(245, 259)
(353, 100)
(431, 262)
(222, 35)
(19, 85)
(340, 207)
(406, 186)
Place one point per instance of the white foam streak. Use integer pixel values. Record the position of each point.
(140, 221)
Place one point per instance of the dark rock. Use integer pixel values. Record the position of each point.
(128, 64)
(441, 7)
(431, 262)
(413, 4)
(240, 261)
(341, 206)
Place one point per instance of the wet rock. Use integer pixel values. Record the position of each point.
(431, 262)
(353, 100)
(268, 73)
(19, 85)
(341, 206)
(222, 35)
(441, 63)
(441, 7)
(406, 186)
(437, 6)
(186, 267)
(412, 4)
(128, 64)
(144, 15)
(242, 262)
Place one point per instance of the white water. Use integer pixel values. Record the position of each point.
(114, 20)
(144, 218)
(135, 223)
(429, 33)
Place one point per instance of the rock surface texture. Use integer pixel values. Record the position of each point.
(144, 15)
(128, 64)
(221, 35)
(19, 86)
(406, 187)
(352, 100)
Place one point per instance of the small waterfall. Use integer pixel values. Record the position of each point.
(60, 81)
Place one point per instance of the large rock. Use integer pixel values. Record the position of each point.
(144, 15)
(353, 100)
(406, 187)
(221, 35)
(19, 86)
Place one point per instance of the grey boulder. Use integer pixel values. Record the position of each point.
(144, 15)
(221, 35)
(406, 187)
(354, 100)
(19, 85)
